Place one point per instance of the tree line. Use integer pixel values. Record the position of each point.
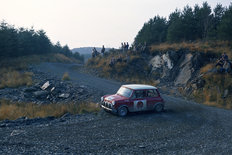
(15, 42)
(189, 24)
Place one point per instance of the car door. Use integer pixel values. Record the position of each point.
(139, 101)
(152, 98)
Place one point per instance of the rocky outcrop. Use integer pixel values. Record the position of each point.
(186, 70)
(177, 67)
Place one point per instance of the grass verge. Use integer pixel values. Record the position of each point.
(12, 111)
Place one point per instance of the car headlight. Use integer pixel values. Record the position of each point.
(102, 98)
(113, 102)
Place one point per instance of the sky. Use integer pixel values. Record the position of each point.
(84, 23)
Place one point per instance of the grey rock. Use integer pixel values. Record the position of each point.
(80, 91)
(53, 88)
(45, 85)
(17, 132)
(64, 95)
(185, 71)
(40, 94)
(226, 92)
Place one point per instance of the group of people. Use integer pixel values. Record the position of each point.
(141, 47)
(224, 63)
(125, 46)
(96, 53)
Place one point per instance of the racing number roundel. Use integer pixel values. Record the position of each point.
(139, 104)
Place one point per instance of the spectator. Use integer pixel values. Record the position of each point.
(122, 47)
(103, 50)
(127, 46)
(224, 63)
(225, 57)
(94, 52)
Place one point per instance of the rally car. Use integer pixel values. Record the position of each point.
(133, 98)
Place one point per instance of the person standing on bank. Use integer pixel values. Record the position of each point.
(103, 50)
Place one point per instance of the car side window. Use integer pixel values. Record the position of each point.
(152, 93)
(139, 94)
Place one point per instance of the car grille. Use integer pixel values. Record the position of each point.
(107, 104)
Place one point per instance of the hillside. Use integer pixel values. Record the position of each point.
(189, 71)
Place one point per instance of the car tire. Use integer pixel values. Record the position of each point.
(159, 108)
(122, 111)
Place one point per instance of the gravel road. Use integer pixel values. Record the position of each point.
(184, 127)
(106, 86)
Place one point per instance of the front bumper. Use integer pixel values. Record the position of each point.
(108, 107)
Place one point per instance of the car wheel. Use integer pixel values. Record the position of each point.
(122, 111)
(159, 108)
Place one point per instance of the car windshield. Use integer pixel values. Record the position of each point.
(124, 92)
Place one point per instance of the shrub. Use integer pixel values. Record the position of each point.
(66, 77)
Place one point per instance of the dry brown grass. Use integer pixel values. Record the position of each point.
(207, 68)
(213, 92)
(62, 58)
(121, 71)
(66, 77)
(13, 78)
(199, 46)
(12, 111)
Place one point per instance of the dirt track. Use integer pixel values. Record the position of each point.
(183, 128)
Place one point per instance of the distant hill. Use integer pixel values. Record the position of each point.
(86, 50)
